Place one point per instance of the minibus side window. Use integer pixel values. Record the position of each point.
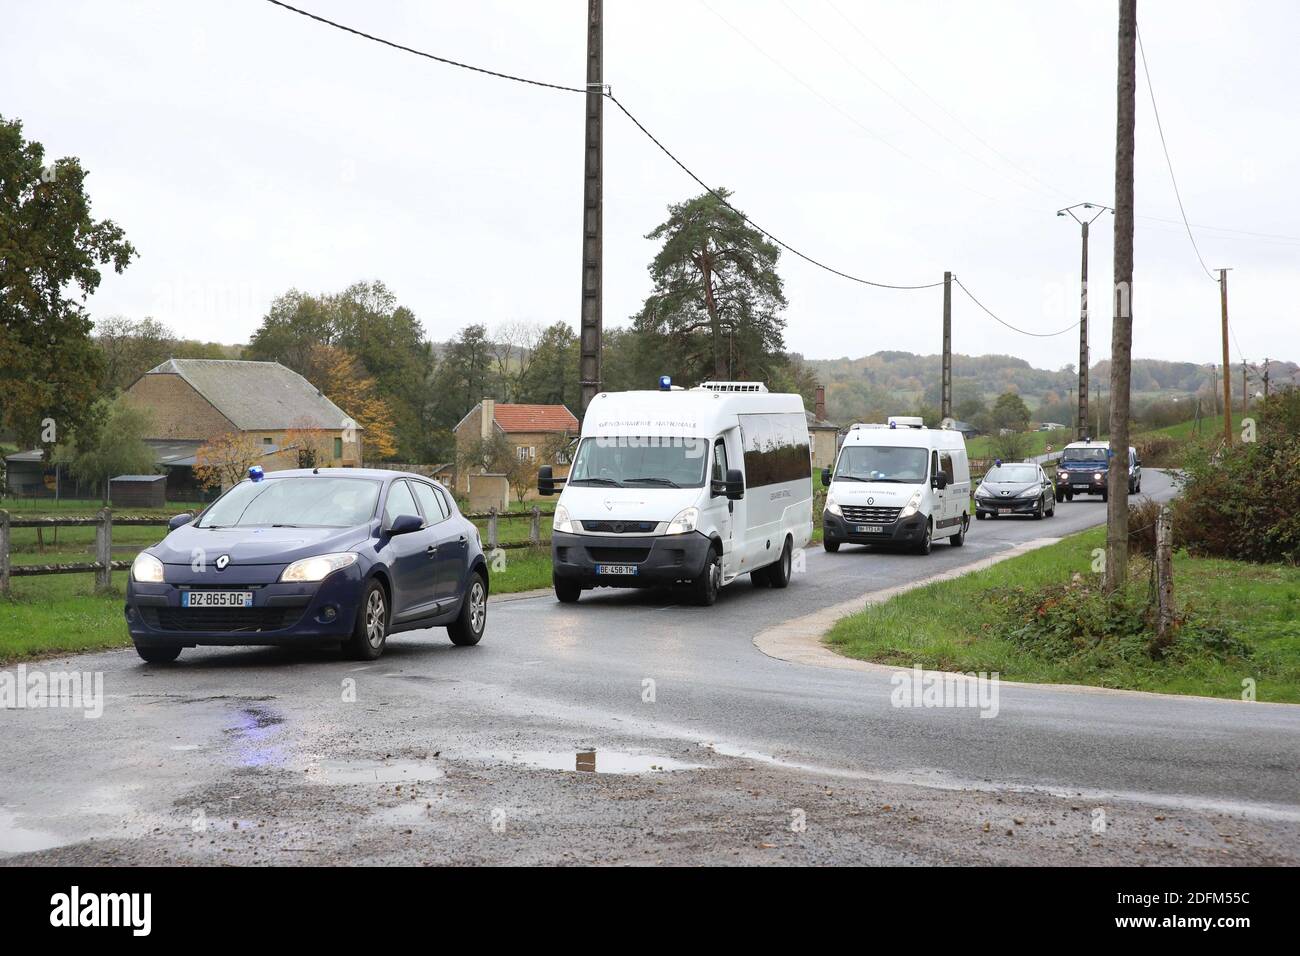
(719, 460)
(934, 463)
(945, 466)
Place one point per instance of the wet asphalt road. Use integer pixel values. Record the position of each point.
(441, 754)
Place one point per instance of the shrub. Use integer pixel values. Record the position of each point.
(1142, 527)
(1243, 501)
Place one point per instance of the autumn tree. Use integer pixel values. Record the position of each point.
(717, 297)
(343, 380)
(51, 250)
(225, 460)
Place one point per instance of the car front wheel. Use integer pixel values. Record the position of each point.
(468, 627)
(158, 653)
(370, 633)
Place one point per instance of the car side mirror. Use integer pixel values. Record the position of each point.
(545, 481)
(826, 477)
(179, 520)
(405, 524)
(939, 481)
(733, 488)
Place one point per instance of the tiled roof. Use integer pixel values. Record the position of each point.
(535, 418)
(257, 395)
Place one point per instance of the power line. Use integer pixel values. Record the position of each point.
(1168, 162)
(639, 125)
(722, 199)
(1013, 328)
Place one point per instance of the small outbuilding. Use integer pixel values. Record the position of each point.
(138, 491)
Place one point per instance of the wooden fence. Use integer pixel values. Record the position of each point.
(103, 566)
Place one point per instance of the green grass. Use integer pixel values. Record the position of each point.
(984, 446)
(83, 507)
(1211, 426)
(951, 625)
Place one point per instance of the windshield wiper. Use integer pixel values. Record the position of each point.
(848, 478)
(658, 481)
(597, 481)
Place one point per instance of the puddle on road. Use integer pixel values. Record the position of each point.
(593, 761)
(341, 772)
(16, 839)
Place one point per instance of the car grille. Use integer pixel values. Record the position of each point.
(620, 527)
(220, 618)
(618, 555)
(869, 515)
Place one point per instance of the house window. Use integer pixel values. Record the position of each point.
(527, 452)
(267, 440)
(338, 448)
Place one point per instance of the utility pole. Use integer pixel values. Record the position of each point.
(1227, 366)
(593, 167)
(1245, 394)
(1084, 220)
(945, 401)
(1266, 378)
(1214, 386)
(1121, 336)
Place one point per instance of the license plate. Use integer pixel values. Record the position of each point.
(1084, 486)
(1004, 511)
(870, 529)
(216, 599)
(616, 569)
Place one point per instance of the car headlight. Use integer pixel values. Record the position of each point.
(913, 504)
(685, 521)
(318, 568)
(982, 492)
(1062, 476)
(561, 521)
(1098, 476)
(833, 506)
(147, 569)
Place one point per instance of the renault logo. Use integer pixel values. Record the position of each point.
(222, 562)
(871, 501)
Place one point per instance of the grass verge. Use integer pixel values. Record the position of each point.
(956, 626)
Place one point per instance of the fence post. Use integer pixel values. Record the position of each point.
(1164, 578)
(104, 551)
(4, 553)
(535, 527)
(492, 527)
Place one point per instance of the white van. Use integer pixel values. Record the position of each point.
(900, 483)
(681, 486)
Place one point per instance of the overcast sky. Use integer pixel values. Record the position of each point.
(247, 150)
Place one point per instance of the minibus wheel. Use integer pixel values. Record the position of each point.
(706, 586)
(924, 546)
(566, 592)
(830, 545)
(778, 575)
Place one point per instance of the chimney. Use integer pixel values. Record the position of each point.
(486, 417)
(819, 403)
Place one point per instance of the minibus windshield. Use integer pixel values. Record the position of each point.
(882, 463)
(640, 461)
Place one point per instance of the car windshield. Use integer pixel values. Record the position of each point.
(1084, 454)
(640, 461)
(1013, 473)
(882, 463)
(306, 502)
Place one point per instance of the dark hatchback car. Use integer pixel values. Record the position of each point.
(339, 556)
(1020, 488)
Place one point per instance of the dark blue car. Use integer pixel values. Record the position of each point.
(328, 556)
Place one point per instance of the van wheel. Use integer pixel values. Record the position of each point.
(778, 575)
(705, 587)
(958, 539)
(1069, 496)
(830, 545)
(1105, 495)
(468, 627)
(370, 633)
(566, 592)
(927, 541)
(759, 577)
